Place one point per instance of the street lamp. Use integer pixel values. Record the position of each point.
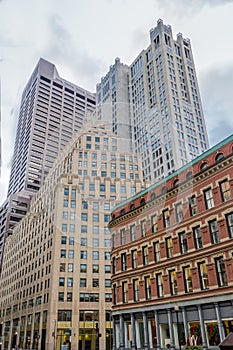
(176, 308)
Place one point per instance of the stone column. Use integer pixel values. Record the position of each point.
(133, 346)
(186, 329)
(203, 333)
(122, 335)
(114, 334)
(171, 331)
(145, 328)
(220, 325)
(157, 330)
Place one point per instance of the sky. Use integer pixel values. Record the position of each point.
(83, 38)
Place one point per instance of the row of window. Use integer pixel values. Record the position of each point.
(220, 272)
(83, 254)
(183, 244)
(63, 281)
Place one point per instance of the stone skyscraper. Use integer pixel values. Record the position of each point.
(162, 94)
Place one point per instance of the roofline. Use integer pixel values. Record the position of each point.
(183, 168)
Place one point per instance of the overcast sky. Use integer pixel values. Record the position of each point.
(83, 38)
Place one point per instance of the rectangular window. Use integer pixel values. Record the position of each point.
(193, 205)
(83, 268)
(159, 282)
(203, 276)
(225, 190)
(83, 254)
(221, 272)
(95, 255)
(183, 243)
(187, 280)
(132, 233)
(145, 255)
(156, 246)
(229, 219)
(96, 217)
(71, 254)
(60, 296)
(113, 265)
(147, 287)
(95, 268)
(95, 242)
(197, 237)
(143, 228)
(70, 267)
(84, 216)
(83, 241)
(214, 233)
(95, 283)
(179, 212)
(123, 262)
(136, 292)
(134, 256)
(114, 292)
(125, 292)
(169, 247)
(166, 218)
(154, 223)
(123, 236)
(209, 201)
(173, 282)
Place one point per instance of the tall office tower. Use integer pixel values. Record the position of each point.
(167, 122)
(113, 104)
(52, 111)
(55, 285)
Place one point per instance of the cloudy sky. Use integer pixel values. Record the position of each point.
(83, 38)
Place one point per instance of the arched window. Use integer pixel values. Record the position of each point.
(164, 190)
(152, 196)
(189, 175)
(132, 207)
(204, 166)
(219, 157)
(176, 183)
(142, 202)
(122, 211)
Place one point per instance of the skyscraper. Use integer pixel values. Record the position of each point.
(52, 111)
(166, 117)
(56, 275)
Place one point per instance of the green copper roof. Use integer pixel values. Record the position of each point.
(186, 166)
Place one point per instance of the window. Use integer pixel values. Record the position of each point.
(125, 292)
(62, 267)
(72, 228)
(123, 262)
(107, 242)
(225, 190)
(166, 218)
(84, 228)
(91, 187)
(203, 275)
(134, 256)
(108, 297)
(66, 191)
(143, 228)
(65, 203)
(187, 279)
(229, 219)
(65, 215)
(106, 217)
(209, 201)
(69, 282)
(69, 297)
(96, 217)
(136, 292)
(179, 212)
(95, 255)
(73, 204)
(173, 282)
(114, 292)
(63, 253)
(61, 282)
(169, 247)
(60, 296)
(214, 233)
(107, 255)
(156, 251)
(107, 268)
(108, 283)
(71, 240)
(112, 188)
(83, 254)
(132, 232)
(102, 188)
(95, 230)
(145, 255)
(197, 237)
(71, 254)
(106, 206)
(64, 228)
(193, 205)
(70, 267)
(83, 268)
(159, 282)
(83, 282)
(84, 216)
(221, 272)
(63, 239)
(95, 283)
(84, 205)
(95, 268)
(147, 287)
(83, 241)
(95, 242)
(122, 236)
(154, 223)
(183, 243)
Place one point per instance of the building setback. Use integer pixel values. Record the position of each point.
(52, 110)
(162, 105)
(172, 257)
(55, 285)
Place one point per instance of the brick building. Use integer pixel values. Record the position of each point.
(172, 257)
